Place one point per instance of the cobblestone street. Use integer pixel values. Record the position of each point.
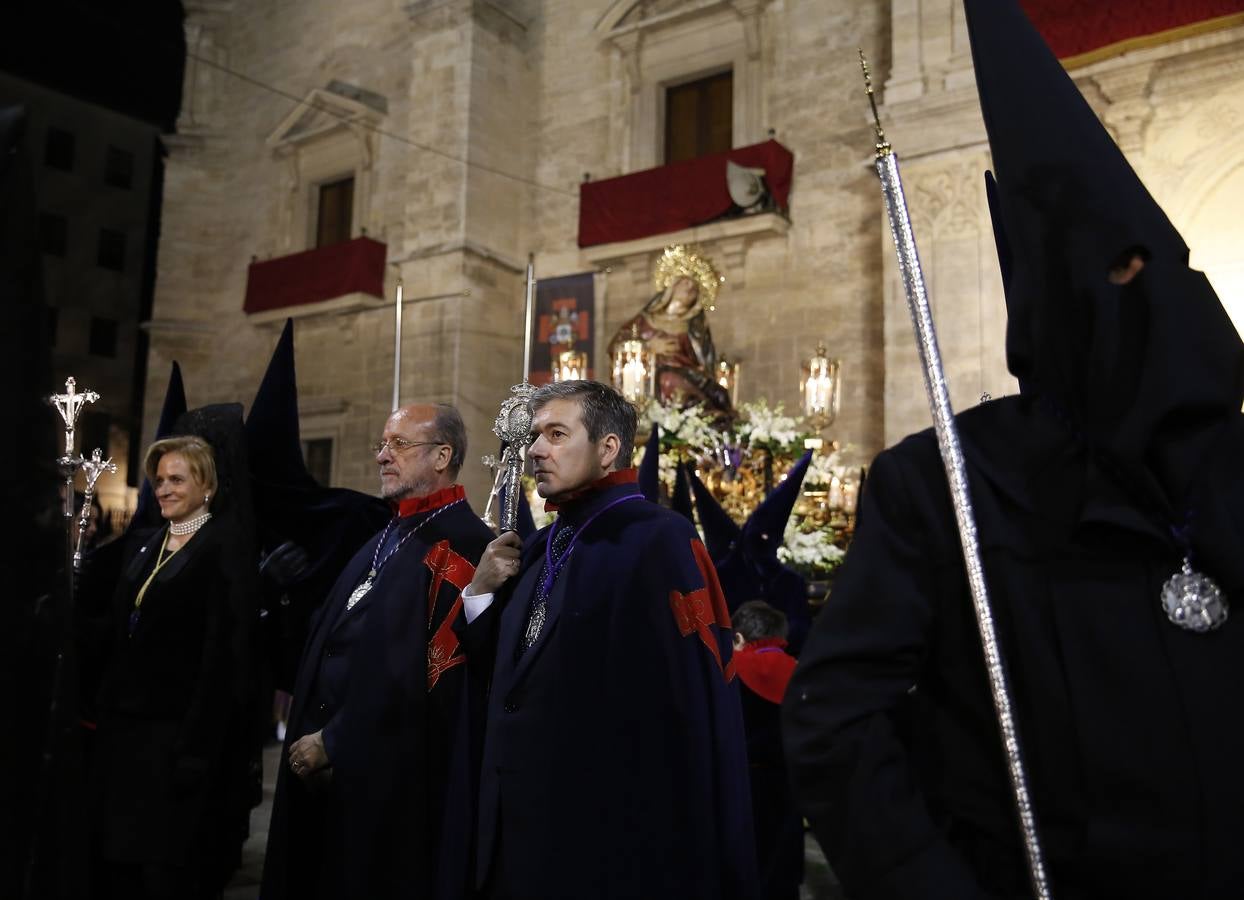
(819, 882)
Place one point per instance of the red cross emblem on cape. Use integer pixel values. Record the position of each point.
(446, 566)
(698, 611)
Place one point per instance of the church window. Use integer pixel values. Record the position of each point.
(699, 117)
(119, 168)
(53, 234)
(58, 151)
(317, 453)
(336, 209)
(103, 339)
(110, 253)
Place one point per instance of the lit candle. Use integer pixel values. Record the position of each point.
(835, 493)
(850, 495)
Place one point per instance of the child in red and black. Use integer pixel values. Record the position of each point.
(764, 669)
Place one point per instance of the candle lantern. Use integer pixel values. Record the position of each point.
(635, 369)
(727, 376)
(821, 387)
(569, 365)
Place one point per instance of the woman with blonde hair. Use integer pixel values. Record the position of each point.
(166, 701)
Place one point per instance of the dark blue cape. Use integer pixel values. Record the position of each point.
(384, 682)
(615, 761)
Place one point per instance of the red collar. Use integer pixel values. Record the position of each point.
(765, 668)
(435, 500)
(620, 476)
(764, 642)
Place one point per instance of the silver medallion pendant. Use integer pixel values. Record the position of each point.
(1193, 601)
(360, 591)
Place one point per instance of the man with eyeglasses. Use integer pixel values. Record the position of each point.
(368, 804)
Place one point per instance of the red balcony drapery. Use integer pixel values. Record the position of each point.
(1079, 31)
(680, 195)
(312, 276)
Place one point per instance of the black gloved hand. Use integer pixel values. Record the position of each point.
(285, 565)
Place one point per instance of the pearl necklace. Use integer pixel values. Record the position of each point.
(191, 525)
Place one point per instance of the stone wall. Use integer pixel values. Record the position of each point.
(535, 95)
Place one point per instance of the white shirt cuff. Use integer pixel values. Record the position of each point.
(473, 606)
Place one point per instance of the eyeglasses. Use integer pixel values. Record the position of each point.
(400, 445)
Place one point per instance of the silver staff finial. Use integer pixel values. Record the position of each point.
(92, 468)
(69, 405)
(882, 145)
(513, 423)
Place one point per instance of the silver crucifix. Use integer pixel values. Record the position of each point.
(92, 468)
(69, 405)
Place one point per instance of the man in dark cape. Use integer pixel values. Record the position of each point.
(614, 764)
(1115, 466)
(361, 807)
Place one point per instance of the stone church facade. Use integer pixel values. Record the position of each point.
(468, 125)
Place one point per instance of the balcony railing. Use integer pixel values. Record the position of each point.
(315, 276)
(681, 195)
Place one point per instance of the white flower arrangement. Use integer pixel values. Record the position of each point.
(689, 426)
(811, 551)
(822, 469)
(762, 427)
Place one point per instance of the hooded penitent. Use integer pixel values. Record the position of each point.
(1149, 374)
(721, 533)
(330, 524)
(680, 500)
(650, 467)
(751, 569)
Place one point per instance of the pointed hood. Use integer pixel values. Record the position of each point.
(650, 467)
(721, 533)
(1141, 372)
(328, 523)
(272, 429)
(681, 500)
(145, 509)
(764, 529)
(750, 570)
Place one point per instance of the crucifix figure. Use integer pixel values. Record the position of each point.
(69, 405)
(92, 468)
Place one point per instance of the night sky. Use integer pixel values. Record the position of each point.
(127, 56)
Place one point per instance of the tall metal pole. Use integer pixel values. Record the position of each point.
(513, 423)
(397, 346)
(886, 164)
(528, 309)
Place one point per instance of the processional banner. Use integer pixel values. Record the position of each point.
(565, 315)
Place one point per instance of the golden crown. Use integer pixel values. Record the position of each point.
(679, 262)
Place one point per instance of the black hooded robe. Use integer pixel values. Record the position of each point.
(1118, 461)
(1129, 730)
